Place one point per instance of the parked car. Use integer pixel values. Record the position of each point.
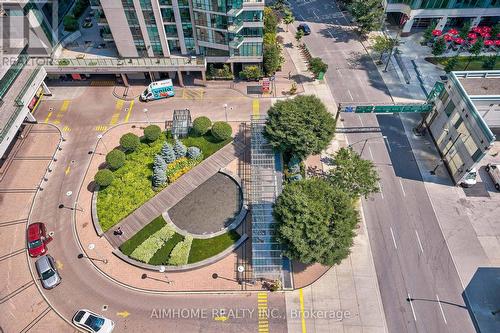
(47, 271)
(92, 322)
(470, 178)
(305, 28)
(494, 171)
(37, 239)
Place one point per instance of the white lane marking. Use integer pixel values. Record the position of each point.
(388, 145)
(301, 17)
(419, 242)
(393, 238)
(315, 15)
(350, 95)
(442, 311)
(371, 154)
(360, 120)
(330, 33)
(380, 189)
(412, 309)
(402, 188)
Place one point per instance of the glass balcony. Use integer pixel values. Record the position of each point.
(235, 26)
(236, 42)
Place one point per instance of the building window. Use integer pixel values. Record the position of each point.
(171, 30)
(167, 14)
(478, 154)
(449, 108)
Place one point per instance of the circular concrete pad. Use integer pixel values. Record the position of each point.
(210, 207)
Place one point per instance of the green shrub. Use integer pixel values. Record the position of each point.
(148, 248)
(194, 153)
(70, 23)
(201, 125)
(152, 133)
(179, 149)
(221, 130)
(115, 159)
(251, 73)
(80, 7)
(129, 142)
(489, 62)
(316, 65)
(104, 177)
(180, 253)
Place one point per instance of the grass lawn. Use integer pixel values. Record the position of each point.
(161, 256)
(131, 186)
(205, 248)
(475, 64)
(129, 246)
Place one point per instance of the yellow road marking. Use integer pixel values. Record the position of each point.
(65, 106)
(101, 128)
(262, 315)
(123, 314)
(129, 111)
(221, 318)
(67, 169)
(118, 109)
(302, 318)
(66, 129)
(59, 264)
(36, 104)
(255, 107)
(48, 117)
(57, 121)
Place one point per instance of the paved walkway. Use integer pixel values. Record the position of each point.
(174, 193)
(346, 298)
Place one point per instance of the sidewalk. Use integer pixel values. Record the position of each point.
(346, 297)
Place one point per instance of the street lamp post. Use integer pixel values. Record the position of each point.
(81, 255)
(225, 110)
(145, 110)
(99, 137)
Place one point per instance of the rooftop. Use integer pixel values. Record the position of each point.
(483, 86)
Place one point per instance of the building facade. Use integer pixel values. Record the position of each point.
(415, 14)
(456, 123)
(224, 31)
(25, 30)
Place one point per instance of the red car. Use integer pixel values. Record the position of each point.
(37, 239)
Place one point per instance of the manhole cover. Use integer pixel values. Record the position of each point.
(51, 234)
(104, 307)
(91, 246)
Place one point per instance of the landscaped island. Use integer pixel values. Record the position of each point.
(141, 167)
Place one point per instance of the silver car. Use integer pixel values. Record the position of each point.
(47, 271)
(494, 171)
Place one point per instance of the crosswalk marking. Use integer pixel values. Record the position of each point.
(102, 83)
(66, 129)
(263, 320)
(101, 128)
(194, 94)
(116, 114)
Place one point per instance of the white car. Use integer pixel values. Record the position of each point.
(92, 322)
(494, 171)
(470, 179)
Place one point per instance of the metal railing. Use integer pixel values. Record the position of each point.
(128, 62)
(236, 42)
(235, 26)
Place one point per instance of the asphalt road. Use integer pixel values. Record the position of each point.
(410, 254)
(352, 75)
(83, 286)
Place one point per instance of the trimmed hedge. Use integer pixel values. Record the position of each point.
(201, 125)
(150, 246)
(130, 142)
(221, 130)
(104, 177)
(115, 159)
(161, 256)
(180, 253)
(152, 133)
(132, 243)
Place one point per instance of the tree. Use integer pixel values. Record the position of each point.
(439, 47)
(159, 172)
(298, 35)
(490, 62)
(70, 23)
(315, 222)
(270, 20)
(201, 125)
(179, 149)
(269, 38)
(383, 44)
(451, 64)
(152, 133)
(104, 177)
(352, 174)
(279, 5)
(167, 153)
(251, 73)
(194, 153)
(316, 65)
(272, 58)
(115, 159)
(288, 18)
(368, 14)
(428, 36)
(495, 30)
(129, 142)
(300, 126)
(475, 50)
(464, 31)
(221, 130)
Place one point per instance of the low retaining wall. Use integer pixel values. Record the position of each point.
(95, 218)
(187, 267)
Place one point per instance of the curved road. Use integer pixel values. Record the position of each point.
(84, 287)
